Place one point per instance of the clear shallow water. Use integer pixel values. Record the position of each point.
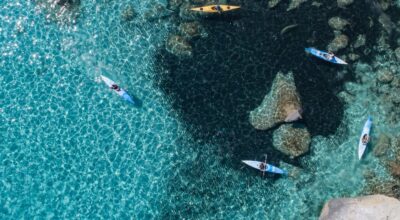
(70, 148)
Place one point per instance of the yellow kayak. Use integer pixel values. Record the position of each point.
(215, 8)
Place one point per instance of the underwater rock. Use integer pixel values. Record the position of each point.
(396, 81)
(64, 11)
(353, 56)
(385, 75)
(273, 3)
(67, 2)
(385, 4)
(192, 29)
(394, 168)
(186, 14)
(397, 52)
(344, 3)
(382, 145)
(386, 23)
(178, 46)
(174, 4)
(367, 207)
(338, 23)
(360, 41)
(339, 42)
(281, 101)
(295, 4)
(158, 11)
(128, 14)
(292, 140)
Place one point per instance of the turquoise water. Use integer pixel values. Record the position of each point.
(72, 149)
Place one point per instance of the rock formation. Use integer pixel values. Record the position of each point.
(282, 101)
(344, 3)
(338, 23)
(292, 140)
(366, 208)
(178, 46)
(339, 42)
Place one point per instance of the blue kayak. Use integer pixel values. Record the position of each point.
(325, 56)
(266, 168)
(121, 92)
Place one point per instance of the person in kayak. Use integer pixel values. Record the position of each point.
(262, 166)
(365, 139)
(329, 56)
(115, 87)
(217, 8)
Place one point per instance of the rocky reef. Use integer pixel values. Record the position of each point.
(64, 11)
(367, 208)
(292, 139)
(344, 3)
(178, 46)
(278, 104)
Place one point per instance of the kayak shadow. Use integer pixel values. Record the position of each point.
(138, 102)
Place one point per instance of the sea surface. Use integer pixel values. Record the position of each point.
(72, 149)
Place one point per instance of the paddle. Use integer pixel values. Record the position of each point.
(265, 164)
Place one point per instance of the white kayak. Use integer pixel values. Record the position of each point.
(362, 145)
(121, 92)
(268, 167)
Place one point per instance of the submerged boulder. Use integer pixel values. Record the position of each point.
(385, 75)
(192, 29)
(339, 42)
(178, 46)
(273, 3)
(295, 4)
(382, 145)
(282, 101)
(338, 23)
(344, 3)
(64, 11)
(397, 52)
(292, 140)
(360, 41)
(367, 208)
(128, 13)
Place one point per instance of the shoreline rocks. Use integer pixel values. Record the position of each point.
(366, 208)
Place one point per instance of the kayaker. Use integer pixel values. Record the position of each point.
(115, 87)
(217, 8)
(329, 56)
(365, 139)
(262, 166)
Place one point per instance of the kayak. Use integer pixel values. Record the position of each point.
(325, 56)
(268, 168)
(362, 145)
(121, 92)
(213, 8)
